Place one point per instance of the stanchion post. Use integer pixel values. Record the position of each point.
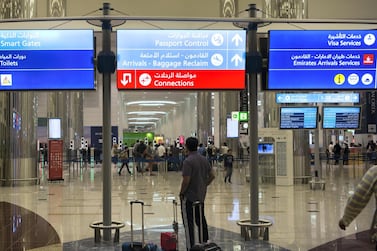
(106, 66)
(253, 123)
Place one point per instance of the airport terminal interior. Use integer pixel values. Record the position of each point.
(300, 191)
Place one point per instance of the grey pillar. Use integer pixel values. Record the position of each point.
(204, 112)
(18, 154)
(294, 9)
(18, 139)
(65, 105)
(301, 160)
(228, 102)
(69, 107)
(106, 117)
(75, 116)
(253, 125)
(270, 110)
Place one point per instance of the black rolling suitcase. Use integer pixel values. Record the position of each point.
(136, 245)
(209, 246)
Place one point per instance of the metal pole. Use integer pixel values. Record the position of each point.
(317, 160)
(106, 130)
(253, 125)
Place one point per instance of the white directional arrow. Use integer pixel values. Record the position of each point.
(236, 59)
(127, 78)
(237, 39)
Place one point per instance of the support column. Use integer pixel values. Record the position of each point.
(228, 102)
(18, 154)
(294, 9)
(253, 125)
(65, 105)
(106, 66)
(204, 111)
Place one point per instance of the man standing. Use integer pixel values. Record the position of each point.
(197, 174)
(337, 151)
(161, 150)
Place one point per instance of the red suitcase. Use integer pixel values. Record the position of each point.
(169, 240)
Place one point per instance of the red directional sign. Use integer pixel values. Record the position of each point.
(177, 79)
(181, 59)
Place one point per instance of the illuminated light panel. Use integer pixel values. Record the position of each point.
(142, 123)
(154, 102)
(147, 113)
(144, 119)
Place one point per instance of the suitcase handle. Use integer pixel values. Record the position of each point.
(142, 221)
(175, 218)
(137, 202)
(196, 203)
(175, 211)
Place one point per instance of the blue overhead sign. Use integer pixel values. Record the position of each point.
(288, 98)
(322, 60)
(46, 60)
(181, 59)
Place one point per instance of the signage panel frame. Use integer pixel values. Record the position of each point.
(326, 117)
(266, 148)
(181, 59)
(322, 60)
(304, 110)
(295, 98)
(54, 128)
(47, 60)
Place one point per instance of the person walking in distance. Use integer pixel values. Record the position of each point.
(114, 155)
(197, 174)
(228, 164)
(337, 151)
(123, 156)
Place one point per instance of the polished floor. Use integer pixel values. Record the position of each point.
(56, 215)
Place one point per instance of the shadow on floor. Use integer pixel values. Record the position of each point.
(353, 242)
(21, 229)
(225, 239)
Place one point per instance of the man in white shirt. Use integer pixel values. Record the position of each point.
(161, 150)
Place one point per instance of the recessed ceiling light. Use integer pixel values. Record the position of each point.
(142, 123)
(154, 102)
(144, 119)
(147, 113)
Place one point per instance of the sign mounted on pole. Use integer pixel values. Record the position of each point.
(241, 116)
(293, 98)
(322, 60)
(46, 60)
(181, 59)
